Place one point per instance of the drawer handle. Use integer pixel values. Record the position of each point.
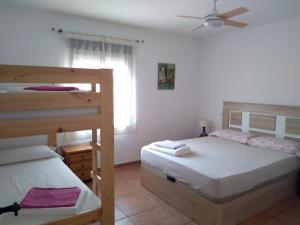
(82, 165)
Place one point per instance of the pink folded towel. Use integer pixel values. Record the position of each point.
(50, 197)
(51, 88)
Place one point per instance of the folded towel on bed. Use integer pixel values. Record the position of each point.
(170, 144)
(51, 197)
(51, 88)
(174, 152)
(58, 210)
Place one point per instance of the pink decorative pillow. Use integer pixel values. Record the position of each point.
(51, 88)
(233, 135)
(275, 144)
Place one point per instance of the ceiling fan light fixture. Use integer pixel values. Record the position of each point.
(214, 23)
(216, 20)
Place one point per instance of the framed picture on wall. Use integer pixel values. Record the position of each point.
(166, 76)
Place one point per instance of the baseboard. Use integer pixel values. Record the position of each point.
(138, 162)
(132, 163)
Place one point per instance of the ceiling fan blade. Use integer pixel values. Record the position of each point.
(196, 27)
(234, 12)
(191, 17)
(233, 23)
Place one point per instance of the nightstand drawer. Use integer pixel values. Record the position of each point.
(83, 174)
(80, 156)
(81, 165)
(79, 160)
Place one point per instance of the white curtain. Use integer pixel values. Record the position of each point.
(93, 53)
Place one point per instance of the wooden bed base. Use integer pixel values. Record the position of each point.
(80, 219)
(205, 212)
(50, 126)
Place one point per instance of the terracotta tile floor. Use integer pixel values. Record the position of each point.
(136, 206)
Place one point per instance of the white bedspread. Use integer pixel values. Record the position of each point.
(18, 178)
(219, 169)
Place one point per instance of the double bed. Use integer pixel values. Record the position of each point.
(224, 182)
(221, 169)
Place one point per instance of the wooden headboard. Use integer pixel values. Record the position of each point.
(274, 120)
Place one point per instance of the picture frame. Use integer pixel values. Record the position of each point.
(166, 76)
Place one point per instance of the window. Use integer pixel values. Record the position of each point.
(120, 58)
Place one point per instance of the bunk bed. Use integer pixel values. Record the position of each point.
(103, 181)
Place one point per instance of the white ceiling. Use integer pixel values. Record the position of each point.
(161, 14)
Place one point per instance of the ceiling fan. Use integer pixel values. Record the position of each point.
(215, 20)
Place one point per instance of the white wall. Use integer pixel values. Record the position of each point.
(259, 65)
(25, 38)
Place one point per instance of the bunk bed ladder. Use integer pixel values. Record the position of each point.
(103, 182)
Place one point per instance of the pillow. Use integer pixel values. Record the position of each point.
(275, 144)
(23, 154)
(237, 136)
(51, 88)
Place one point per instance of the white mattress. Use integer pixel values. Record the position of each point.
(219, 169)
(18, 178)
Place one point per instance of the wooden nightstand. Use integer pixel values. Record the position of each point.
(79, 159)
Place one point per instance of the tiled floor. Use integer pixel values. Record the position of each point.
(136, 206)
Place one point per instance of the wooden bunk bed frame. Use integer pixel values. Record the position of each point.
(52, 125)
(280, 121)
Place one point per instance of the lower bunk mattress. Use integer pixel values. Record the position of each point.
(221, 170)
(18, 178)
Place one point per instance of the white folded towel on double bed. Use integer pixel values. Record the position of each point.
(170, 144)
(174, 152)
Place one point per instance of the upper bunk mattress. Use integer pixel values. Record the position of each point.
(219, 169)
(18, 178)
